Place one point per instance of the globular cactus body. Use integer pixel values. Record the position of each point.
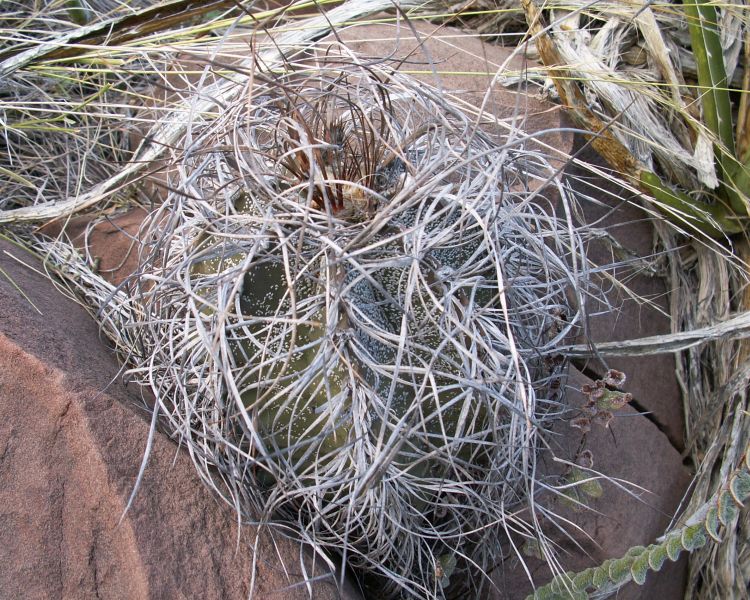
(352, 307)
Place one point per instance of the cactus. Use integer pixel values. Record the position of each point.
(352, 306)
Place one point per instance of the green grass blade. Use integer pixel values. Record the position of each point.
(19, 290)
(714, 94)
(710, 219)
(16, 177)
(712, 76)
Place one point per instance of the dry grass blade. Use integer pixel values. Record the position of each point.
(647, 130)
(737, 327)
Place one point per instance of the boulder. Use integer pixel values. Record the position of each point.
(71, 442)
(471, 73)
(111, 244)
(642, 446)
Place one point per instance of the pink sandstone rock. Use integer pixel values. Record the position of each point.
(71, 443)
(651, 380)
(464, 67)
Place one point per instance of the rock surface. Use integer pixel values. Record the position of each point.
(71, 443)
(639, 310)
(111, 243)
(465, 69)
(643, 444)
(635, 453)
